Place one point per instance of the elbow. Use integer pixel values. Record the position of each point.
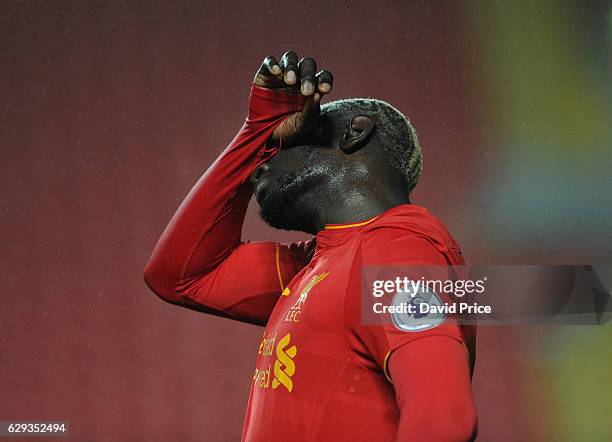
(458, 426)
(462, 427)
(160, 283)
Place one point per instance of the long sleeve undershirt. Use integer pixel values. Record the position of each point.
(200, 262)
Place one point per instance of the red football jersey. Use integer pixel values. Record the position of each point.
(320, 371)
(321, 374)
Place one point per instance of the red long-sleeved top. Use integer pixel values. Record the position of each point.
(321, 374)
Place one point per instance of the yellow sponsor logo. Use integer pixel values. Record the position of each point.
(262, 377)
(284, 367)
(267, 345)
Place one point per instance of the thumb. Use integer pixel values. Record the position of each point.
(312, 107)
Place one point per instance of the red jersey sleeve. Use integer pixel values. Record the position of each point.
(199, 261)
(433, 391)
(393, 252)
(429, 368)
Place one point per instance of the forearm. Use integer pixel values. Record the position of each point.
(206, 227)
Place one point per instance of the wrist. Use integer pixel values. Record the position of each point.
(266, 104)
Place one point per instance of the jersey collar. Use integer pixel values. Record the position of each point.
(337, 234)
(349, 225)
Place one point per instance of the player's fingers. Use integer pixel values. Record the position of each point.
(273, 66)
(289, 63)
(269, 67)
(308, 69)
(325, 81)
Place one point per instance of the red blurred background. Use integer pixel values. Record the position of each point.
(109, 112)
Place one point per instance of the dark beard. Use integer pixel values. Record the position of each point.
(282, 204)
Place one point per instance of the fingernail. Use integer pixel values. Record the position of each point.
(307, 88)
(276, 69)
(291, 77)
(325, 87)
(317, 96)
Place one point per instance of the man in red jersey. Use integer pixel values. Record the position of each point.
(342, 171)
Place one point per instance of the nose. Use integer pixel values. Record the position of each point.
(258, 172)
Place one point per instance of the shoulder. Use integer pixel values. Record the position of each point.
(401, 242)
(408, 233)
(392, 245)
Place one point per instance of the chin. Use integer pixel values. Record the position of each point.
(285, 211)
(285, 217)
(288, 202)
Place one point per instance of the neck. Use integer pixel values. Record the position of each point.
(355, 206)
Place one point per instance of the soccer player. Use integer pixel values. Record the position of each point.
(342, 171)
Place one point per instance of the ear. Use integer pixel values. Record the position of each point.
(357, 134)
